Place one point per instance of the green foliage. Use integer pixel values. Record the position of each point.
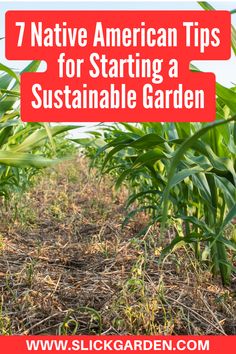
(179, 171)
(25, 148)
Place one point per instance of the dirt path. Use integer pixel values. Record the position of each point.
(67, 267)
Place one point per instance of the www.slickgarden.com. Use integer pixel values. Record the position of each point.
(91, 344)
(113, 345)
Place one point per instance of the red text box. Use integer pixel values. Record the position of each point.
(117, 65)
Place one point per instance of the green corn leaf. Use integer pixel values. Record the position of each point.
(227, 95)
(178, 156)
(149, 157)
(205, 5)
(144, 194)
(31, 67)
(147, 141)
(18, 159)
(10, 72)
(229, 244)
(229, 217)
(37, 138)
(181, 175)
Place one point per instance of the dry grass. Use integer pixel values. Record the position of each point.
(67, 267)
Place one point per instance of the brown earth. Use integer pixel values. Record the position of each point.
(67, 267)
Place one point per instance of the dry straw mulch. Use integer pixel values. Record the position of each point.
(67, 267)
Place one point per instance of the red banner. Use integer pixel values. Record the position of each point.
(121, 344)
(118, 65)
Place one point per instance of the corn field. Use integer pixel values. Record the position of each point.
(182, 174)
(179, 173)
(69, 265)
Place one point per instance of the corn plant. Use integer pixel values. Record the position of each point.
(24, 148)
